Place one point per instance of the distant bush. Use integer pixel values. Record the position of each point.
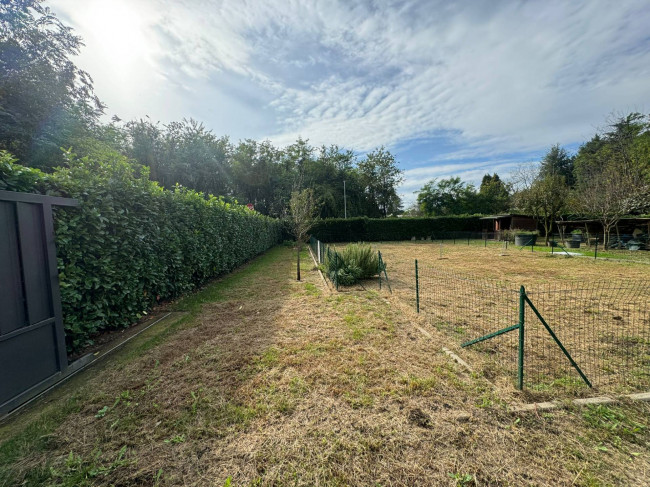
(357, 261)
(387, 229)
(131, 243)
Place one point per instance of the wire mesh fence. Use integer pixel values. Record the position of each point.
(592, 245)
(605, 326)
(329, 258)
(550, 336)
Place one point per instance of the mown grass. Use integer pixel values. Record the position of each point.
(300, 386)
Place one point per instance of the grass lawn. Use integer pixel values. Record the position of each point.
(269, 381)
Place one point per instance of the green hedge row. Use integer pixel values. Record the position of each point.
(386, 229)
(132, 243)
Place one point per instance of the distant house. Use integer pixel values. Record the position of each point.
(498, 223)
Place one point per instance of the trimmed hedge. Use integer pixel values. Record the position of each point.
(386, 229)
(132, 243)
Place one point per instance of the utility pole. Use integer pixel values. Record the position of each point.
(345, 202)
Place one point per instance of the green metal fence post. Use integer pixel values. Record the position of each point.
(336, 272)
(417, 287)
(596, 249)
(522, 319)
(379, 265)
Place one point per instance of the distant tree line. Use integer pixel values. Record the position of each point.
(47, 103)
(451, 196)
(608, 178)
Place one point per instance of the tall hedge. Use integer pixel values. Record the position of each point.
(132, 243)
(385, 229)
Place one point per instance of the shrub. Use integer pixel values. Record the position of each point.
(358, 261)
(387, 229)
(131, 243)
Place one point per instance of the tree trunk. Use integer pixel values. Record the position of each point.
(298, 263)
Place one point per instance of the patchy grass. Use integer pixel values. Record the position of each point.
(270, 381)
(515, 265)
(600, 316)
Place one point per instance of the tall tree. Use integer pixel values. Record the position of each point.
(493, 195)
(613, 172)
(45, 100)
(381, 177)
(449, 196)
(557, 161)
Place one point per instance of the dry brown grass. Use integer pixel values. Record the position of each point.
(277, 382)
(599, 310)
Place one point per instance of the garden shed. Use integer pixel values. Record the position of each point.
(498, 223)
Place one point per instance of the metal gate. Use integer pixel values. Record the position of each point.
(32, 338)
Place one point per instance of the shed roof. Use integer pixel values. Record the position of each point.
(497, 217)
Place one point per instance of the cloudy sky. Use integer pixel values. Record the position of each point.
(451, 88)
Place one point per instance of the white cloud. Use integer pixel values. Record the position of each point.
(498, 78)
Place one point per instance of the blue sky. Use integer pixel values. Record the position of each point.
(451, 88)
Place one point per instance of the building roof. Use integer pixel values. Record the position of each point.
(631, 219)
(510, 215)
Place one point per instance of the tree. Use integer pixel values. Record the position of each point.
(541, 194)
(613, 172)
(303, 212)
(45, 100)
(558, 162)
(449, 196)
(493, 195)
(381, 176)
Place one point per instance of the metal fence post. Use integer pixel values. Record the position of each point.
(417, 287)
(596, 249)
(336, 271)
(522, 319)
(379, 266)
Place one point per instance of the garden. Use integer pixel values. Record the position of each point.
(271, 381)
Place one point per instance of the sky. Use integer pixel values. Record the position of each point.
(450, 88)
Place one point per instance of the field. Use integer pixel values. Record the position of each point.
(598, 309)
(270, 381)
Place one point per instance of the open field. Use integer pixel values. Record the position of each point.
(269, 381)
(598, 309)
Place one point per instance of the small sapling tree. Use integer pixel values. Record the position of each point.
(303, 215)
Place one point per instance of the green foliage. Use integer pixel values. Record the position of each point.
(14, 177)
(363, 257)
(45, 100)
(78, 471)
(557, 161)
(381, 176)
(451, 196)
(493, 196)
(615, 422)
(358, 261)
(447, 197)
(131, 243)
(391, 229)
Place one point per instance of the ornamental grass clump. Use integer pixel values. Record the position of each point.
(358, 261)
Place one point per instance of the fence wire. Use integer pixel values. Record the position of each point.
(604, 326)
(467, 308)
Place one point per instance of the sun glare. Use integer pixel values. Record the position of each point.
(118, 27)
